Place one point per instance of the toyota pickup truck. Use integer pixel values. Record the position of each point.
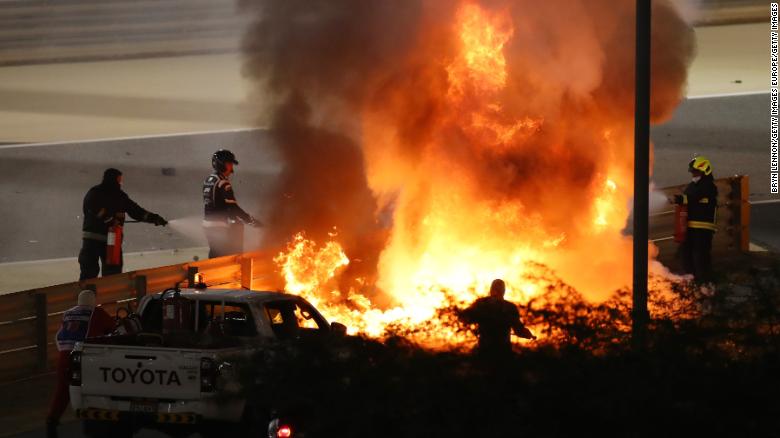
(169, 381)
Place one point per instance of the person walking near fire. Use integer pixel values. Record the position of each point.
(495, 318)
(701, 199)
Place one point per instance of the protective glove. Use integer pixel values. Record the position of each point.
(253, 222)
(157, 220)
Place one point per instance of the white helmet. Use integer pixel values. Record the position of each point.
(87, 298)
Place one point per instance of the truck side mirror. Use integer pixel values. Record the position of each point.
(338, 328)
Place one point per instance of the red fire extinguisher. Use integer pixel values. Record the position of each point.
(177, 313)
(114, 245)
(680, 222)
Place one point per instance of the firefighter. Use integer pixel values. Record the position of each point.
(224, 220)
(105, 206)
(495, 319)
(701, 198)
(78, 323)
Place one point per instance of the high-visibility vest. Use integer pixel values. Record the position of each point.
(75, 324)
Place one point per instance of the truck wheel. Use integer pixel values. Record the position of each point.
(96, 429)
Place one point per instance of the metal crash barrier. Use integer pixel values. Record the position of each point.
(30, 319)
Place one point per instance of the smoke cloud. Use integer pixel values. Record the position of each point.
(413, 149)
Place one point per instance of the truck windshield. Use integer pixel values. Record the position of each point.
(236, 316)
(290, 319)
(238, 319)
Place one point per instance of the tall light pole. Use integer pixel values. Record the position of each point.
(641, 172)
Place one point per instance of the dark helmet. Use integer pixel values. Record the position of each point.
(221, 157)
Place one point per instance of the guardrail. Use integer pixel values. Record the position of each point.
(30, 319)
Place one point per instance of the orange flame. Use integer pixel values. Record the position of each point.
(307, 268)
(481, 62)
(452, 233)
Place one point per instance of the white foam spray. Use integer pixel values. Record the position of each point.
(190, 227)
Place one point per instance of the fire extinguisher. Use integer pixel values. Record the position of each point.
(177, 313)
(680, 222)
(114, 245)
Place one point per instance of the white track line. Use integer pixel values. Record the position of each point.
(715, 96)
(139, 137)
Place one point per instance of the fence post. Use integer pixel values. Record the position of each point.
(140, 288)
(191, 271)
(246, 272)
(41, 329)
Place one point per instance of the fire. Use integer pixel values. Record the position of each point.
(492, 144)
(459, 242)
(603, 205)
(481, 62)
(308, 268)
(479, 73)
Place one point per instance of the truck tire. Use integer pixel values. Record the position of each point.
(96, 429)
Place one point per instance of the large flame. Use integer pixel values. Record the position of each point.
(486, 162)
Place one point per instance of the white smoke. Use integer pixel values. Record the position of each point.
(689, 10)
(190, 227)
